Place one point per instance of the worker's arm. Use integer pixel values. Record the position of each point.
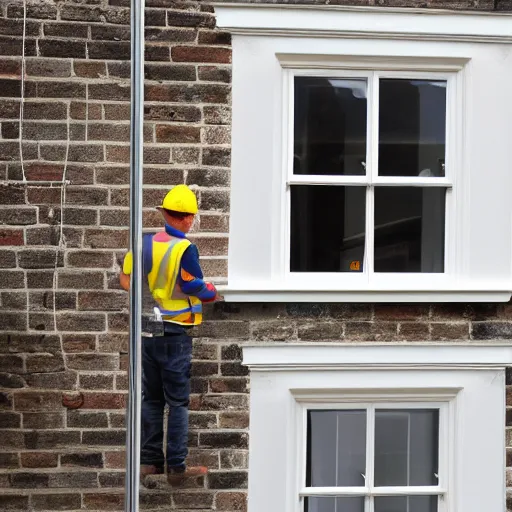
(124, 281)
(124, 275)
(191, 278)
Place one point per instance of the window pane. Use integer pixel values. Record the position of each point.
(347, 504)
(406, 503)
(327, 228)
(330, 126)
(409, 229)
(336, 454)
(412, 128)
(406, 447)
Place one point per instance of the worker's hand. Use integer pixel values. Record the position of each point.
(219, 298)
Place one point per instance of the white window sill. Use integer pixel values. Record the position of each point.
(268, 292)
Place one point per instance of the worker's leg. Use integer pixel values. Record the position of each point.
(176, 380)
(153, 403)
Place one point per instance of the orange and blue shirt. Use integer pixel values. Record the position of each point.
(190, 277)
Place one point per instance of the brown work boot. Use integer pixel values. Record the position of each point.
(150, 469)
(177, 477)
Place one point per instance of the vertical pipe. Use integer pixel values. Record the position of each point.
(133, 416)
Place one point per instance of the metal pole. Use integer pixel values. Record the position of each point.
(133, 416)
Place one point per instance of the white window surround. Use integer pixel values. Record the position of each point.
(271, 43)
(468, 379)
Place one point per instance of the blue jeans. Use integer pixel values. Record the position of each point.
(166, 364)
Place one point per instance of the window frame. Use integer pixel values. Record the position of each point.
(268, 40)
(370, 402)
(471, 378)
(373, 71)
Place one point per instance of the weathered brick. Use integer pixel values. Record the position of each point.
(109, 91)
(12, 439)
(316, 331)
(112, 479)
(109, 50)
(185, 155)
(47, 439)
(66, 30)
(238, 420)
(158, 35)
(188, 93)
(6, 402)
(84, 480)
(35, 460)
(61, 501)
(47, 111)
(56, 89)
(102, 301)
(80, 280)
(10, 420)
(177, 134)
(7, 259)
(223, 440)
(227, 479)
(96, 381)
(104, 400)
(209, 178)
(90, 259)
(8, 461)
(42, 421)
(193, 500)
(9, 380)
(40, 279)
(210, 37)
(416, 331)
(49, 67)
(31, 343)
(40, 363)
(214, 74)
(189, 19)
(106, 239)
(176, 113)
(220, 157)
(29, 480)
(201, 54)
(104, 437)
(82, 419)
(92, 362)
(491, 330)
(202, 420)
(115, 460)
(11, 363)
(33, 10)
(59, 380)
(174, 73)
(13, 321)
(151, 52)
(232, 501)
(81, 322)
(110, 33)
(229, 385)
(113, 342)
(103, 501)
(370, 331)
(10, 46)
(79, 343)
(10, 194)
(36, 401)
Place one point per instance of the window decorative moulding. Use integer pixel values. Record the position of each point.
(466, 382)
(470, 51)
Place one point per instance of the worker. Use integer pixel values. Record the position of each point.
(172, 272)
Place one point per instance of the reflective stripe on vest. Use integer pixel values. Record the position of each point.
(174, 305)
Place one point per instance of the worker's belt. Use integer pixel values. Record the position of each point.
(152, 326)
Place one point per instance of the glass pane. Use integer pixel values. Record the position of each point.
(347, 504)
(336, 451)
(409, 229)
(412, 128)
(330, 126)
(406, 503)
(406, 447)
(327, 228)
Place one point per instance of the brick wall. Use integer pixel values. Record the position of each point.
(63, 373)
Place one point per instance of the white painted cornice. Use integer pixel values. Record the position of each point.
(364, 22)
(326, 356)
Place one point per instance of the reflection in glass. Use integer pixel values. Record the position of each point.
(409, 229)
(412, 128)
(406, 447)
(336, 450)
(327, 228)
(345, 504)
(406, 504)
(329, 126)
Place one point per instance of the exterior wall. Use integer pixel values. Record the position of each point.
(64, 352)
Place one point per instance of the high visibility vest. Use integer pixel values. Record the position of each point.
(174, 305)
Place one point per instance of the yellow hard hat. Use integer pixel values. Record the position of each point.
(180, 199)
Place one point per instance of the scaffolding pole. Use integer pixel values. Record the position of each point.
(133, 416)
